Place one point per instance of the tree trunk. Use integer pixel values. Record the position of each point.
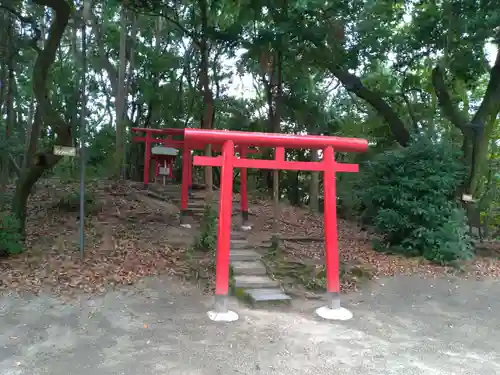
(207, 116)
(11, 115)
(120, 105)
(76, 95)
(129, 89)
(276, 82)
(314, 185)
(476, 132)
(45, 113)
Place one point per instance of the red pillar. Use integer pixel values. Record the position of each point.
(243, 189)
(331, 233)
(147, 159)
(224, 228)
(190, 181)
(186, 161)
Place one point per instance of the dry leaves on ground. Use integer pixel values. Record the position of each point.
(354, 246)
(126, 240)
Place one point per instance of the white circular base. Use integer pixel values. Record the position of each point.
(246, 228)
(229, 316)
(188, 226)
(334, 314)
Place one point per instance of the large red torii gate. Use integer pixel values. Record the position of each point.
(228, 161)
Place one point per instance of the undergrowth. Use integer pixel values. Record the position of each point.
(11, 241)
(201, 256)
(409, 196)
(207, 240)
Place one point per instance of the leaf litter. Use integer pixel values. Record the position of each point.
(125, 240)
(355, 247)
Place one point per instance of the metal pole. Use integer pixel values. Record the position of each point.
(82, 134)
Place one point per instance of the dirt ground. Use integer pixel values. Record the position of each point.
(123, 309)
(130, 236)
(158, 327)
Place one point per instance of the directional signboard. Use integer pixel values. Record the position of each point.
(64, 151)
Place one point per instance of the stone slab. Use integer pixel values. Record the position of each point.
(244, 255)
(239, 244)
(267, 295)
(254, 282)
(255, 268)
(238, 235)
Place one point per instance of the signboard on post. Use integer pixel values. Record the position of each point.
(64, 151)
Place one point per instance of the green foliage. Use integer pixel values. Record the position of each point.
(207, 241)
(70, 202)
(10, 237)
(409, 196)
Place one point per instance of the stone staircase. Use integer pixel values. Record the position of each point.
(249, 274)
(250, 279)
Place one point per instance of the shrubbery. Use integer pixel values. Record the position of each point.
(207, 240)
(409, 196)
(10, 238)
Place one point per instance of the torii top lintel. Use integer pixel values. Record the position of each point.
(217, 137)
(178, 144)
(167, 131)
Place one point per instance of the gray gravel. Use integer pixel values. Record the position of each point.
(403, 325)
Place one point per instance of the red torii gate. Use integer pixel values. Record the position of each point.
(152, 137)
(227, 161)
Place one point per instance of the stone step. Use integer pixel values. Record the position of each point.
(196, 209)
(244, 255)
(169, 190)
(239, 244)
(254, 268)
(273, 295)
(238, 235)
(254, 282)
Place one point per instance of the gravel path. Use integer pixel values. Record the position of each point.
(403, 325)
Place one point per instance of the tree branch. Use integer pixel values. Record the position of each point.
(37, 33)
(353, 84)
(41, 69)
(410, 110)
(104, 62)
(13, 162)
(490, 105)
(448, 107)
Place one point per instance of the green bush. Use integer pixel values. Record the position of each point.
(10, 237)
(409, 196)
(207, 241)
(70, 202)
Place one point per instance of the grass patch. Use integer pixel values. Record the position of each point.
(310, 275)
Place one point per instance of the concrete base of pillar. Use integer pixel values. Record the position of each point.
(220, 313)
(333, 310)
(334, 314)
(246, 226)
(228, 316)
(184, 223)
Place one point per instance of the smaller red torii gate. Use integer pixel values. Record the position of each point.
(227, 161)
(152, 136)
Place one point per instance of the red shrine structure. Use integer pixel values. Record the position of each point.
(164, 158)
(227, 140)
(174, 139)
(234, 146)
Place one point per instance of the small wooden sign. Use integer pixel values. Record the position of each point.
(64, 151)
(467, 198)
(164, 171)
